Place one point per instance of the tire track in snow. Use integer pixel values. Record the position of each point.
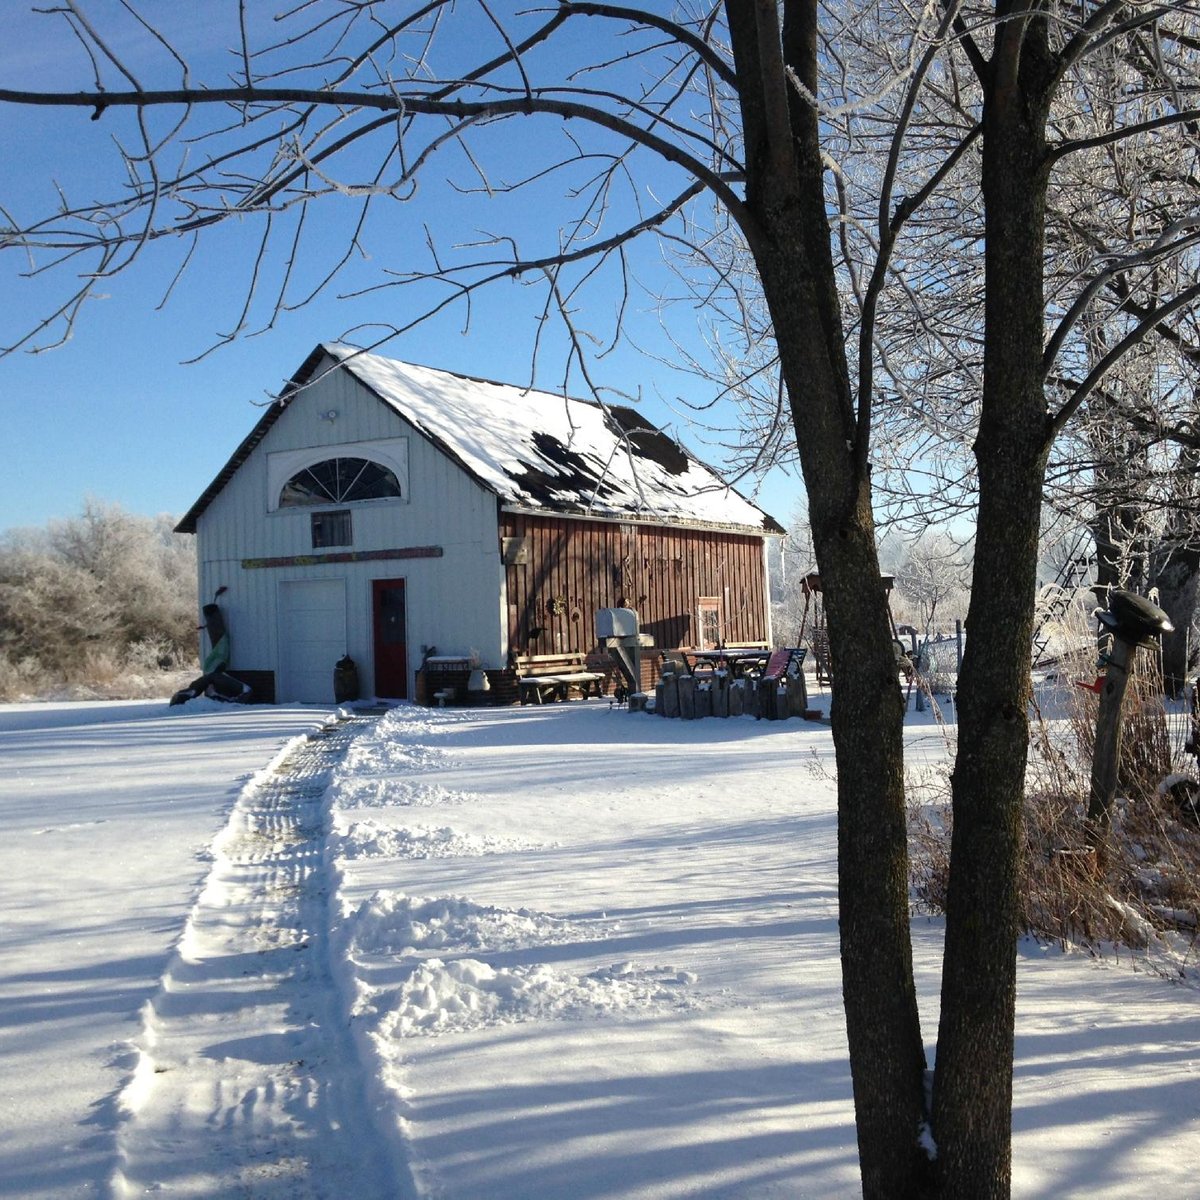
(247, 1081)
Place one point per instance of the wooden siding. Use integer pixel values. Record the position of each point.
(575, 567)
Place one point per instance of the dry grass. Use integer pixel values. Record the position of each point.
(1143, 893)
(98, 675)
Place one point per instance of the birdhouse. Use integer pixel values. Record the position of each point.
(1133, 618)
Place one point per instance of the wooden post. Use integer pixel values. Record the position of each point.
(737, 697)
(1107, 752)
(720, 695)
(670, 705)
(687, 697)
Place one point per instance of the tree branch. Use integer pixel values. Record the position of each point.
(1161, 249)
(673, 29)
(1126, 131)
(890, 226)
(459, 109)
(1149, 322)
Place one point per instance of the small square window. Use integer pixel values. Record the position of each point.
(332, 529)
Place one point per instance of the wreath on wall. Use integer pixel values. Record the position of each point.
(557, 606)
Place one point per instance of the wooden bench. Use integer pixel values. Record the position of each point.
(542, 677)
(789, 661)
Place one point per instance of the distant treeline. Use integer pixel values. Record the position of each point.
(90, 602)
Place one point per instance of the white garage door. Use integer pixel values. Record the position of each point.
(312, 637)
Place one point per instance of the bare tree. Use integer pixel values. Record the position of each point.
(748, 115)
(795, 558)
(932, 574)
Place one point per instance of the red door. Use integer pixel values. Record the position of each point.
(391, 643)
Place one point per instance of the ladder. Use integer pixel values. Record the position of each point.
(1055, 598)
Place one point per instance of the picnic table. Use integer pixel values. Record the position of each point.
(737, 662)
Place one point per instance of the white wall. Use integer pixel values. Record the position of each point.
(451, 600)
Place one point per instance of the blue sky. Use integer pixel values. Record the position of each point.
(116, 415)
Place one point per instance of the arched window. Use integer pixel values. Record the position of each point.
(339, 481)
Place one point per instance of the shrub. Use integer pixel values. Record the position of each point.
(87, 602)
(1143, 893)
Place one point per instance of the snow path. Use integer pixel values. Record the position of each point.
(247, 1081)
(109, 811)
(642, 1001)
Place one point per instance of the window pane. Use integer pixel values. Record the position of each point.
(331, 529)
(305, 488)
(709, 612)
(373, 482)
(339, 481)
(391, 616)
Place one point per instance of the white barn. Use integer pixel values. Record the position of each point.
(386, 511)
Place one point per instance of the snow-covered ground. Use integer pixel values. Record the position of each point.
(560, 951)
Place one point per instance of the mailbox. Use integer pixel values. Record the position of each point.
(616, 623)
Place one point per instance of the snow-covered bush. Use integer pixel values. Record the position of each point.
(88, 601)
(20, 679)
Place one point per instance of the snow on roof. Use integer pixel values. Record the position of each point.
(536, 451)
(540, 451)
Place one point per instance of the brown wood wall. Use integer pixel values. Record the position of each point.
(580, 566)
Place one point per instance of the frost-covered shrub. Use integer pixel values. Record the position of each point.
(50, 611)
(1143, 892)
(145, 570)
(159, 653)
(20, 679)
(91, 600)
(1143, 896)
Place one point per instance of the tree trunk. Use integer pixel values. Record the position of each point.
(788, 233)
(887, 1058)
(1120, 525)
(1177, 577)
(973, 1084)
